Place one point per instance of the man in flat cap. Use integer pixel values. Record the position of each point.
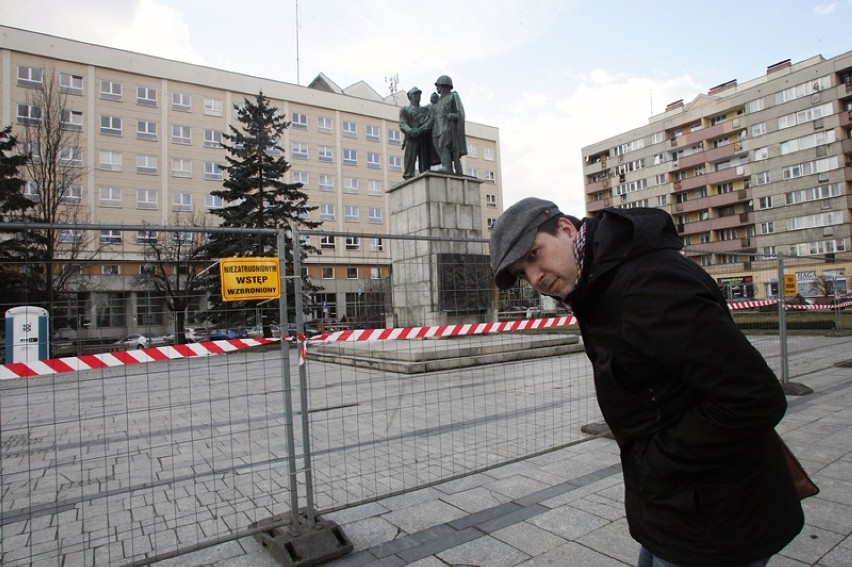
(415, 121)
(691, 403)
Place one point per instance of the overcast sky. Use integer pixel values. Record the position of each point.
(553, 76)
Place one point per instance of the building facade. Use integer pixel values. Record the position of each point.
(748, 172)
(149, 148)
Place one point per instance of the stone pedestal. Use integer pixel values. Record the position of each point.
(436, 280)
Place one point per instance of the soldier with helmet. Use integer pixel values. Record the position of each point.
(448, 135)
(415, 122)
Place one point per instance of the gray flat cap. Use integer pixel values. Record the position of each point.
(513, 235)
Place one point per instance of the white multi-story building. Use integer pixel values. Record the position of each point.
(150, 132)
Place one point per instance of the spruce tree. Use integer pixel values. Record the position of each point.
(16, 248)
(254, 192)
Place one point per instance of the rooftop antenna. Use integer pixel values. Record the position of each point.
(392, 83)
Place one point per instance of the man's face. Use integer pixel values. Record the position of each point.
(415, 99)
(549, 266)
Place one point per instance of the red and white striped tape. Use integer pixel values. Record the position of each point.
(153, 354)
(440, 331)
(121, 358)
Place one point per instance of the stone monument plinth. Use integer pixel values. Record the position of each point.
(437, 278)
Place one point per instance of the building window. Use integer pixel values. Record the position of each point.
(472, 150)
(212, 171)
(71, 156)
(353, 243)
(394, 137)
(31, 191)
(374, 160)
(395, 163)
(326, 212)
(212, 138)
(350, 129)
(326, 154)
(181, 135)
(755, 105)
(761, 178)
(70, 236)
(761, 153)
(375, 215)
(328, 272)
(473, 172)
(324, 124)
(109, 197)
(111, 90)
(146, 130)
(489, 154)
(72, 120)
(374, 187)
(326, 182)
(182, 237)
(350, 185)
(372, 133)
(350, 157)
(767, 227)
(111, 125)
(299, 150)
(146, 165)
(758, 129)
(213, 106)
(181, 167)
(181, 201)
(213, 202)
(375, 273)
(490, 200)
(326, 241)
(300, 177)
(28, 114)
(71, 194)
(109, 269)
(110, 237)
(376, 245)
(351, 273)
(146, 96)
(182, 102)
(300, 121)
(351, 213)
(146, 237)
(146, 199)
(110, 161)
(765, 202)
(30, 76)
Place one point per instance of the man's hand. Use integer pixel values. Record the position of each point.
(453, 116)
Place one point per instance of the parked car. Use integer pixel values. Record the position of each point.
(310, 331)
(62, 346)
(197, 334)
(131, 342)
(226, 334)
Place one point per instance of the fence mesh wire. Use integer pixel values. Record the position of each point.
(124, 463)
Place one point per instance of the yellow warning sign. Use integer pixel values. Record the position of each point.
(789, 284)
(249, 278)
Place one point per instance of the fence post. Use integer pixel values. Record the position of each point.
(285, 374)
(790, 388)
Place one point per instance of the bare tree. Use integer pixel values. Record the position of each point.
(175, 264)
(54, 171)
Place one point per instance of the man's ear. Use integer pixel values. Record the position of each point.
(567, 226)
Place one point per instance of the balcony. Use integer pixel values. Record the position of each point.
(715, 177)
(718, 246)
(720, 223)
(698, 158)
(596, 186)
(845, 118)
(714, 201)
(704, 134)
(595, 206)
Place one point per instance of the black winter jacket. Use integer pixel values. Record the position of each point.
(690, 402)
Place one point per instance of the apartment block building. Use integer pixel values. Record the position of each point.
(150, 133)
(748, 171)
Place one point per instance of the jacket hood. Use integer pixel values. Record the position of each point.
(618, 235)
